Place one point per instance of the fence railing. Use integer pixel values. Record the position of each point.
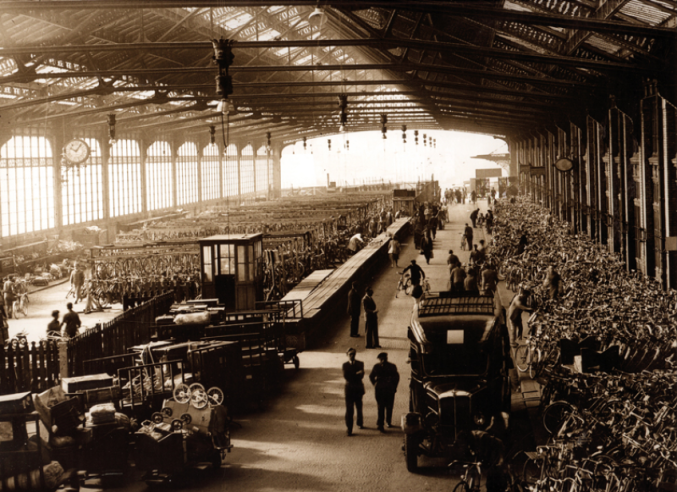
(116, 337)
(33, 367)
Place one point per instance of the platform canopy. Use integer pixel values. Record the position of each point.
(496, 67)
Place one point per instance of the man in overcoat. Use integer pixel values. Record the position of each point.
(354, 310)
(371, 316)
(353, 372)
(385, 378)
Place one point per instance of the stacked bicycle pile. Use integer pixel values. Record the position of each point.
(611, 430)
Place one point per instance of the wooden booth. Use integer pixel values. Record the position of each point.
(232, 270)
(404, 200)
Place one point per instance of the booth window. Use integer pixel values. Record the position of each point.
(241, 263)
(227, 259)
(207, 254)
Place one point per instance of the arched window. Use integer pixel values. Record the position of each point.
(186, 174)
(247, 170)
(125, 178)
(81, 188)
(230, 175)
(26, 185)
(159, 193)
(210, 172)
(262, 170)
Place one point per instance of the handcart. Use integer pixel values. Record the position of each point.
(189, 433)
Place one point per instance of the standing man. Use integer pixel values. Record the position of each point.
(394, 249)
(8, 294)
(371, 316)
(385, 378)
(489, 279)
(78, 281)
(354, 310)
(353, 372)
(72, 322)
(517, 305)
(452, 260)
(468, 236)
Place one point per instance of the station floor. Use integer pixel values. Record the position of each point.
(298, 442)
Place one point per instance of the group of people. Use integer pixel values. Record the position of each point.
(480, 275)
(383, 376)
(11, 291)
(68, 327)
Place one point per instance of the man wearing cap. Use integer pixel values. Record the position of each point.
(353, 372)
(385, 378)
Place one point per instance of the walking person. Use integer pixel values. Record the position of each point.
(371, 316)
(473, 217)
(8, 295)
(427, 248)
(394, 249)
(78, 282)
(71, 321)
(4, 325)
(354, 310)
(353, 373)
(457, 279)
(468, 236)
(385, 378)
(54, 326)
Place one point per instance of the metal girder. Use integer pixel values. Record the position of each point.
(389, 43)
(474, 9)
(404, 67)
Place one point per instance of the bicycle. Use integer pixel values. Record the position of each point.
(404, 284)
(20, 305)
(470, 480)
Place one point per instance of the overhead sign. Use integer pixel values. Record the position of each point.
(488, 173)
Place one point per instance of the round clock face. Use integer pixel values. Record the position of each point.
(77, 151)
(564, 164)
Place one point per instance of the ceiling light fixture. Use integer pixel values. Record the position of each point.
(316, 17)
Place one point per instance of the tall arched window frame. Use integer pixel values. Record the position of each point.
(247, 170)
(262, 170)
(231, 175)
(125, 178)
(210, 172)
(159, 176)
(186, 174)
(82, 188)
(26, 185)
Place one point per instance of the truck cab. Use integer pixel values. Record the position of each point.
(459, 355)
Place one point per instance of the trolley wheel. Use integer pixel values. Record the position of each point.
(157, 418)
(215, 396)
(182, 393)
(198, 396)
(296, 361)
(176, 425)
(186, 418)
(167, 411)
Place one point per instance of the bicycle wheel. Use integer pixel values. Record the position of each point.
(522, 358)
(24, 307)
(555, 415)
(462, 487)
(531, 472)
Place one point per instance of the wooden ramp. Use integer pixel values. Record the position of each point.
(307, 285)
(330, 293)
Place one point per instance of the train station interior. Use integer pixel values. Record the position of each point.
(213, 186)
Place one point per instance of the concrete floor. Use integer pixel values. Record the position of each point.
(299, 441)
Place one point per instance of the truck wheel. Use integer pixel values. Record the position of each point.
(411, 442)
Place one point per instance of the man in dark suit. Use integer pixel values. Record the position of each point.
(385, 378)
(353, 372)
(371, 315)
(354, 310)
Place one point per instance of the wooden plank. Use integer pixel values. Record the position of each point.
(307, 285)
